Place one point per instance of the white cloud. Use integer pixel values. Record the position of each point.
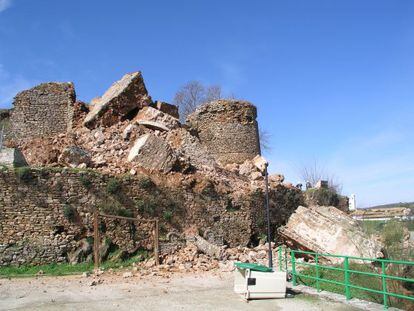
(5, 4)
(10, 85)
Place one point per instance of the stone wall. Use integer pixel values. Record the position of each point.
(46, 213)
(44, 110)
(229, 130)
(35, 227)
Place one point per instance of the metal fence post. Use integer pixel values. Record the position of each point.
(318, 287)
(279, 252)
(384, 284)
(156, 243)
(347, 288)
(96, 239)
(292, 257)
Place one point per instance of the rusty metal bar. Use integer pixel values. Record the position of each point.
(96, 239)
(118, 217)
(156, 242)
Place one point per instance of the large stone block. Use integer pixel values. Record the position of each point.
(172, 110)
(74, 156)
(125, 96)
(44, 110)
(153, 154)
(327, 230)
(156, 119)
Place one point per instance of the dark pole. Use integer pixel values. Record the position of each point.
(268, 217)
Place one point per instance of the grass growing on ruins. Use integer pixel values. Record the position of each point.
(113, 186)
(85, 181)
(167, 215)
(51, 269)
(114, 208)
(69, 269)
(145, 182)
(69, 212)
(24, 174)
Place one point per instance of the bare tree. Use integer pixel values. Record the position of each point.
(314, 172)
(193, 94)
(264, 139)
(212, 93)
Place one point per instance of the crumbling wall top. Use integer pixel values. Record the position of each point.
(46, 109)
(228, 128)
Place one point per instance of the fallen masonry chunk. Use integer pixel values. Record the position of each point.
(208, 248)
(276, 178)
(126, 133)
(167, 108)
(183, 142)
(122, 98)
(327, 230)
(152, 153)
(156, 119)
(74, 156)
(260, 163)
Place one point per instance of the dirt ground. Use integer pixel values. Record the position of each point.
(113, 292)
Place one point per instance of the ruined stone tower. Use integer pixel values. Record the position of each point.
(46, 109)
(228, 129)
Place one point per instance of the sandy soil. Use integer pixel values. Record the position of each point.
(113, 292)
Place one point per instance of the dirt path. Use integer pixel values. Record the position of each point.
(181, 292)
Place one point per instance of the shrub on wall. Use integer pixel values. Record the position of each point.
(113, 186)
(24, 174)
(112, 208)
(167, 215)
(69, 212)
(145, 182)
(146, 206)
(85, 181)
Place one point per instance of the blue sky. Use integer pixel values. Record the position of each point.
(333, 80)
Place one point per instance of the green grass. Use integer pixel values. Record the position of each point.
(67, 269)
(51, 269)
(357, 279)
(378, 226)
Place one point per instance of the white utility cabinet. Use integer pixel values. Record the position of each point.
(253, 284)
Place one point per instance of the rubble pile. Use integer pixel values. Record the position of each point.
(190, 258)
(213, 161)
(124, 131)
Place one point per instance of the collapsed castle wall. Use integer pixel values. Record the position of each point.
(229, 130)
(34, 207)
(46, 109)
(47, 213)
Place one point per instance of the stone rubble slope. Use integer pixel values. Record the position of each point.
(215, 157)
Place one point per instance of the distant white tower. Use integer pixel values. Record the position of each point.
(352, 203)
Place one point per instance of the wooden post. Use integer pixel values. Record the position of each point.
(156, 243)
(96, 239)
